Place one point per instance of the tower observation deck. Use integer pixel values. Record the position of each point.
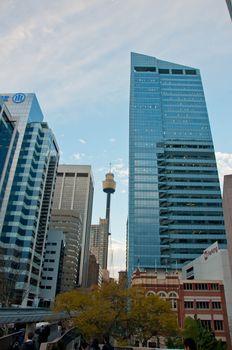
(109, 186)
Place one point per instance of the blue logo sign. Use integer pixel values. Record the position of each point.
(5, 98)
(18, 98)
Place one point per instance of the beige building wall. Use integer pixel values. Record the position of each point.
(70, 224)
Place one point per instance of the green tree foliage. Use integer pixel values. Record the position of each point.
(203, 337)
(150, 316)
(174, 342)
(120, 312)
(98, 310)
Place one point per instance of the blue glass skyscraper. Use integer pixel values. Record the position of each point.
(27, 196)
(175, 208)
(9, 136)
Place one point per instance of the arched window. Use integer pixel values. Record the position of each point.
(150, 292)
(172, 297)
(162, 294)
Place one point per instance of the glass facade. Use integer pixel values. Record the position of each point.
(175, 207)
(9, 137)
(27, 201)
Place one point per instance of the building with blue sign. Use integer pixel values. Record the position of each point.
(27, 196)
(175, 206)
(9, 136)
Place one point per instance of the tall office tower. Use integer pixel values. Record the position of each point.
(9, 136)
(74, 192)
(99, 242)
(175, 206)
(26, 204)
(69, 222)
(229, 5)
(227, 206)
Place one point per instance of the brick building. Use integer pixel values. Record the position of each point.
(205, 299)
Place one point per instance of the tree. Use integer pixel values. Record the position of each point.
(174, 342)
(99, 309)
(204, 338)
(120, 312)
(150, 316)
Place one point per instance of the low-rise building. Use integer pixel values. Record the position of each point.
(213, 264)
(205, 299)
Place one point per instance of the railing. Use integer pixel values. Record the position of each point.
(7, 341)
(69, 341)
(25, 315)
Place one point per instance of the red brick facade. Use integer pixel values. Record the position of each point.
(205, 299)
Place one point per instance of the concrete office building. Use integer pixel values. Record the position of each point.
(227, 207)
(94, 273)
(51, 276)
(213, 264)
(122, 279)
(99, 242)
(27, 195)
(74, 192)
(175, 205)
(70, 224)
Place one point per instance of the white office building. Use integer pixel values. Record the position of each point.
(52, 267)
(213, 264)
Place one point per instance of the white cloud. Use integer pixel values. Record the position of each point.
(117, 257)
(72, 72)
(224, 164)
(112, 140)
(120, 170)
(82, 141)
(78, 156)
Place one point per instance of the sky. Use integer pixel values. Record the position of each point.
(75, 55)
